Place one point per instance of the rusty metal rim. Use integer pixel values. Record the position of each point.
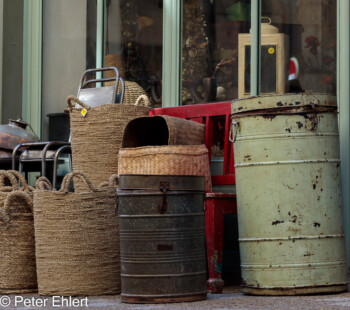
(289, 162)
(168, 275)
(292, 110)
(290, 135)
(150, 260)
(149, 299)
(297, 290)
(148, 192)
(291, 238)
(161, 215)
(293, 266)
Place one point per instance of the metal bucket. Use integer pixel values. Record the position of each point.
(289, 194)
(162, 238)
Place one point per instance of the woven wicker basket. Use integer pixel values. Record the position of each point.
(132, 89)
(17, 245)
(97, 137)
(166, 160)
(162, 130)
(115, 60)
(77, 239)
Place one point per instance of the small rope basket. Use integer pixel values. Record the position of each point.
(166, 160)
(17, 244)
(77, 239)
(97, 137)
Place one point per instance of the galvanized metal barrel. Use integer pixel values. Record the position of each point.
(162, 238)
(289, 194)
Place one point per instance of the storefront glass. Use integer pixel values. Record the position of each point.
(11, 59)
(134, 36)
(69, 48)
(210, 49)
(310, 32)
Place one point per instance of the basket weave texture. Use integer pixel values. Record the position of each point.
(183, 131)
(97, 137)
(17, 244)
(152, 129)
(77, 239)
(132, 89)
(115, 60)
(166, 160)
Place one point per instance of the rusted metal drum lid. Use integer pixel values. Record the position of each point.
(284, 104)
(152, 182)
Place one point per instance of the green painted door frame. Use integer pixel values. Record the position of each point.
(32, 64)
(172, 53)
(343, 95)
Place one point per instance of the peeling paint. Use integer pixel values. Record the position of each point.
(277, 222)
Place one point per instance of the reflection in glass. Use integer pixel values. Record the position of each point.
(134, 44)
(210, 49)
(311, 28)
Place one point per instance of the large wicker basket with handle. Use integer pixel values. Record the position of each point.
(97, 137)
(17, 245)
(77, 239)
(166, 160)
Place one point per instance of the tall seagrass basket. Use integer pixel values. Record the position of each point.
(77, 239)
(17, 245)
(97, 137)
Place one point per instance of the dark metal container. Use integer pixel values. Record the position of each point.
(59, 128)
(162, 238)
(13, 134)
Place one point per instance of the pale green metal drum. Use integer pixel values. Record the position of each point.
(289, 194)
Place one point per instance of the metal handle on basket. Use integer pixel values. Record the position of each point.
(163, 205)
(85, 82)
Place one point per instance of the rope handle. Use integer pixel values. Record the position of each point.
(22, 179)
(69, 177)
(144, 99)
(113, 180)
(5, 175)
(78, 101)
(9, 201)
(43, 184)
(103, 185)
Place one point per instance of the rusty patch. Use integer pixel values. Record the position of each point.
(164, 247)
(300, 124)
(277, 222)
(280, 104)
(294, 219)
(308, 254)
(288, 130)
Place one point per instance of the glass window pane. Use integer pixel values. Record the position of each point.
(11, 60)
(134, 43)
(310, 30)
(210, 49)
(69, 48)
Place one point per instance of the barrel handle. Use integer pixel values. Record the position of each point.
(234, 129)
(163, 205)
